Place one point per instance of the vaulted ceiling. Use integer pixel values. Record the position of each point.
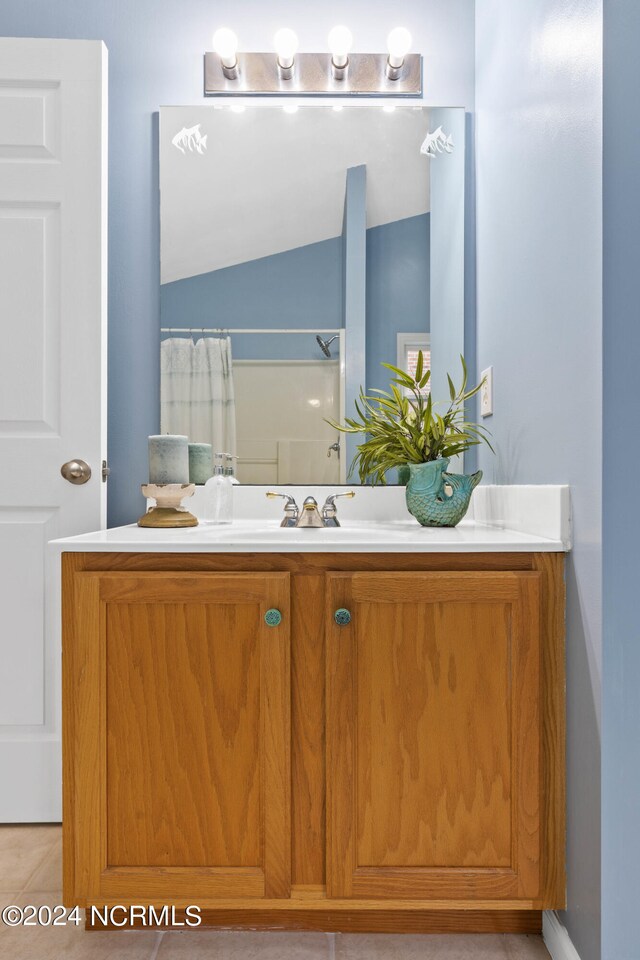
(266, 181)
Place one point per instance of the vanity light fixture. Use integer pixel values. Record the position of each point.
(338, 73)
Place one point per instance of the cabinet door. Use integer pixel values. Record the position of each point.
(178, 744)
(433, 736)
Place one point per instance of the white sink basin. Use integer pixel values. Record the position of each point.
(259, 533)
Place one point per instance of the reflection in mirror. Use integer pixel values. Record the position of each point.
(296, 253)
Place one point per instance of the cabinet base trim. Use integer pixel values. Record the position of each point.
(371, 921)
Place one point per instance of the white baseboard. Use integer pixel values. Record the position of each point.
(556, 939)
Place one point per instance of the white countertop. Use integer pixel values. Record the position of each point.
(525, 519)
(245, 536)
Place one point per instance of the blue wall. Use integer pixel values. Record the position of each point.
(448, 257)
(303, 288)
(155, 57)
(397, 290)
(298, 288)
(539, 322)
(354, 239)
(621, 654)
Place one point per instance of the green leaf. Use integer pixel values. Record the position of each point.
(464, 374)
(402, 376)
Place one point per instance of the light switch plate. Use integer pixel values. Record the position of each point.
(486, 393)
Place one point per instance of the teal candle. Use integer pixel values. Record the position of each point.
(200, 462)
(168, 459)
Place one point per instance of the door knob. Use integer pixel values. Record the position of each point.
(76, 471)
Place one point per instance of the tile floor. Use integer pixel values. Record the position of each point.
(30, 873)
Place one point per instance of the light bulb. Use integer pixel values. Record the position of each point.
(340, 41)
(286, 44)
(388, 108)
(398, 45)
(225, 44)
(290, 108)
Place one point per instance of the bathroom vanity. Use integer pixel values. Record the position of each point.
(349, 729)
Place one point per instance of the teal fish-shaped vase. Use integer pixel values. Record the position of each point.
(437, 498)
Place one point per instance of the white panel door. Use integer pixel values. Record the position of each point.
(53, 143)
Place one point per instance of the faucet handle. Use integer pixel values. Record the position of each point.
(290, 507)
(332, 499)
(329, 510)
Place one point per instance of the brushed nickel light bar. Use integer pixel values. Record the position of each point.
(339, 73)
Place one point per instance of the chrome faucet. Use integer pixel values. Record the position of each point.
(310, 516)
(334, 448)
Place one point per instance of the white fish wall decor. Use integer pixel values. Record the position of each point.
(190, 138)
(436, 142)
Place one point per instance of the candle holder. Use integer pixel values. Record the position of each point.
(168, 511)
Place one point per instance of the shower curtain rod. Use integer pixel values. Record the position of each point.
(229, 330)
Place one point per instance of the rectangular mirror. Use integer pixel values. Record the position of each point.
(299, 251)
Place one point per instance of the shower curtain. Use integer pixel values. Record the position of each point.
(196, 391)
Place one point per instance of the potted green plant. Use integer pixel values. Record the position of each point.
(403, 430)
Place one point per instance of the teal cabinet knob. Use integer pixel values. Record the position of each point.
(342, 617)
(273, 617)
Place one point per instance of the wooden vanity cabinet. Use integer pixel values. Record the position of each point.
(402, 770)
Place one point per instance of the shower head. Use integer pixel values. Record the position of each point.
(325, 344)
